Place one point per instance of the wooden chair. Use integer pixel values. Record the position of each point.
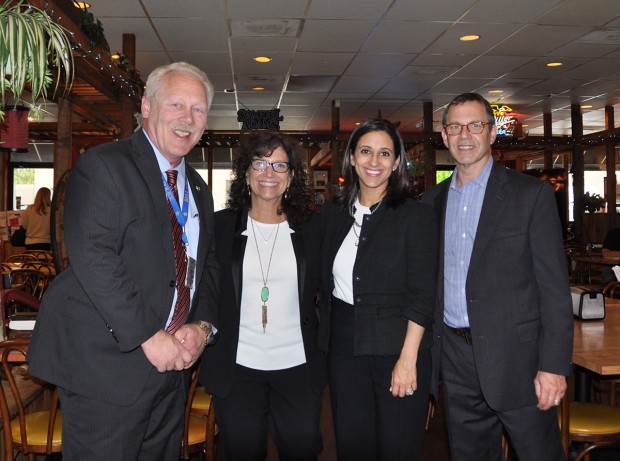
(29, 280)
(612, 290)
(593, 424)
(20, 258)
(200, 431)
(41, 255)
(13, 300)
(38, 432)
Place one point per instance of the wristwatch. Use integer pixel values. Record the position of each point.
(206, 328)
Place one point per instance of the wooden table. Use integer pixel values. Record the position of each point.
(587, 261)
(596, 347)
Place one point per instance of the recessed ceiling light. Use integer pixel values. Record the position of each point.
(555, 64)
(258, 88)
(469, 38)
(524, 125)
(115, 56)
(495, 91)
(262, 59)
(82, 5)
(586, 107)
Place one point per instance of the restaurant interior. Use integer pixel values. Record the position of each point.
(314, 69)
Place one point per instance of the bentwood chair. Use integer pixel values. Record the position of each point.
(200, 431)
(595, 425)
(12, 301)
(31, 433)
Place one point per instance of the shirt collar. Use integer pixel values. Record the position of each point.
(481, 180)
(164, 165)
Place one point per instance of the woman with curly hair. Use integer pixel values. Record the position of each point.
(265, 365)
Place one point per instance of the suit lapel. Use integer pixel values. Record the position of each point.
(492, 209)
(238, 250)
(300, 256)
(149, 169)
(197, 193)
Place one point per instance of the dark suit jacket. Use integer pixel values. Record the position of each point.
(394, 276)
(518, 298)
(119, 288)
(218, 362)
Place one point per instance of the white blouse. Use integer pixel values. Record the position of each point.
(280, 345)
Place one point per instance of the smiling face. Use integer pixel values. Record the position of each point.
(176, 116)
(268, 186)
(470, 151)
(374, 160)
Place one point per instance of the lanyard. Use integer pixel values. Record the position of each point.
(180, 215)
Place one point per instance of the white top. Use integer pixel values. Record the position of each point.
(37, 226)
(345, 258)
(280, 346)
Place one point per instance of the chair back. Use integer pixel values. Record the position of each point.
(13, 300)
(21, 428)
(20, 258)
(199, 430)
(32, 281)
(41, 255)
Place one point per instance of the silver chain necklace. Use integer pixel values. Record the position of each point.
(264, 292)
(266, 240)
(355, 223)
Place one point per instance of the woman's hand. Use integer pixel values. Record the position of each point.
(405, 374)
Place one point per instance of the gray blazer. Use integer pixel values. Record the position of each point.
(518, 297)
(119, 288)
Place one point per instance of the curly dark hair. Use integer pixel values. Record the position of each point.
(297, 202)
(398, 185)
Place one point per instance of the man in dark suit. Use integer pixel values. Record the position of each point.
(503, 327)
(118, 330)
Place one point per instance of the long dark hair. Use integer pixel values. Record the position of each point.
(297, 202)
(398, 185)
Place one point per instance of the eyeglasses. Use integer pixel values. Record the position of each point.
(262, 165)
(454, 129)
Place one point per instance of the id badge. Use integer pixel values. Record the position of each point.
(191, 269)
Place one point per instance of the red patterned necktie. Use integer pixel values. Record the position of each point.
(181, 309)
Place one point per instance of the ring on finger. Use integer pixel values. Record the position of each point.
(556, 402)
(409, 392)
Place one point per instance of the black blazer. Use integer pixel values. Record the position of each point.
(394, 276)
(218, 361)
(518, 297)
(119, 288)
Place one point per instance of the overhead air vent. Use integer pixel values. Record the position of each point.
(265, 27)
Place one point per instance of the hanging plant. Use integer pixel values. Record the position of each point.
(31, 45)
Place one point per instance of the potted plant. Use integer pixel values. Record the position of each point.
(593, 202)
(32, 45)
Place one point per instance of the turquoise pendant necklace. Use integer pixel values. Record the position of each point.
(264, 292)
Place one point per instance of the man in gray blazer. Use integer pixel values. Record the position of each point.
(118, 331)
(503, 328)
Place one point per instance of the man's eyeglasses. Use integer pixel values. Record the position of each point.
(454, 129)
(262, 165)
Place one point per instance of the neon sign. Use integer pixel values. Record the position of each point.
(504, 120)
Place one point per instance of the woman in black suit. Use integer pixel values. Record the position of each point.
(378, 287)
(265, 363)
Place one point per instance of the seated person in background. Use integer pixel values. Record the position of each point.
(611, 244)
(611, 249)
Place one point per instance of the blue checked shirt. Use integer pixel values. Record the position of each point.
(462, 216)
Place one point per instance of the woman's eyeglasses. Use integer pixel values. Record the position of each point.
(262, 165)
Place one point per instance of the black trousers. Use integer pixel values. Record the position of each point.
(148, 430)
(475, 429)
(284, 397)
(369, 423)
